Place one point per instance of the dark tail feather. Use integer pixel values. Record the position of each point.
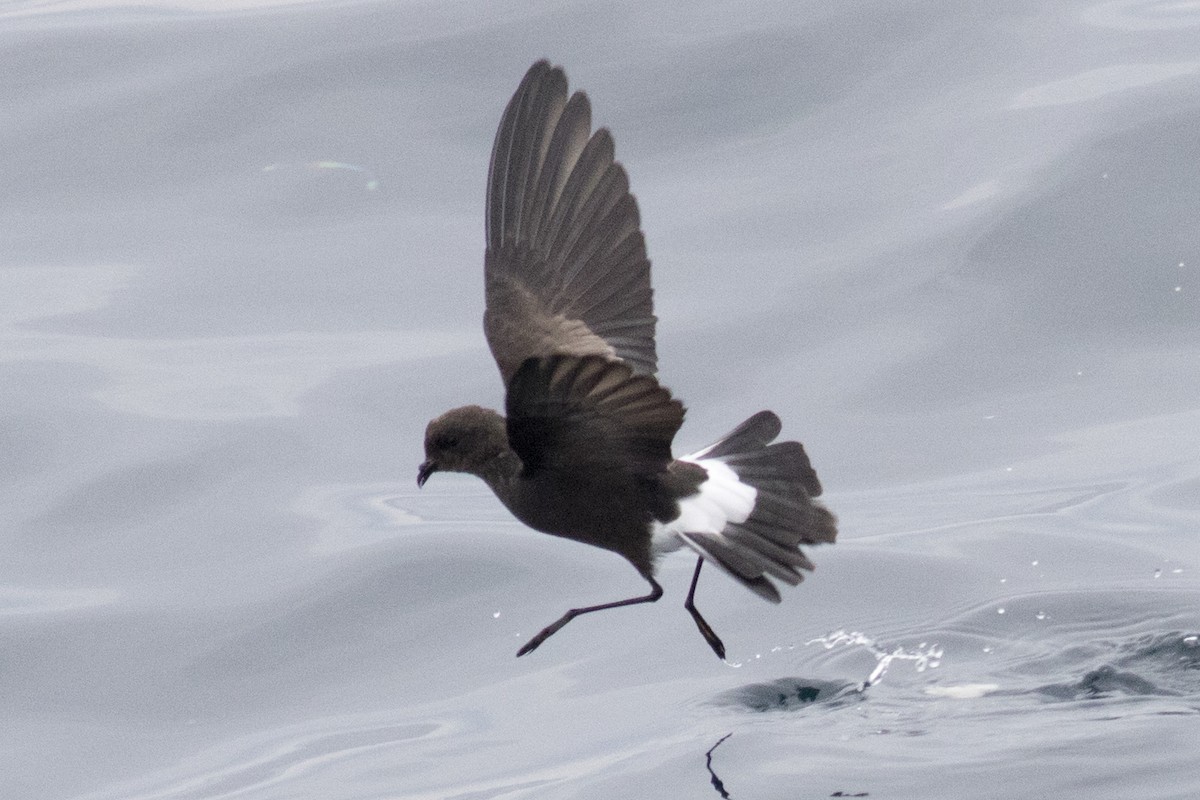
(785, 515)
(753, 434)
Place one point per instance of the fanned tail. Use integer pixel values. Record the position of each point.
(755, 508)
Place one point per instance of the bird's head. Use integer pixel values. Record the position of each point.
(463, 439)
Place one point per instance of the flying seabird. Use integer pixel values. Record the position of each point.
(584, 448)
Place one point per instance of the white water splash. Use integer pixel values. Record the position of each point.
(926, 656)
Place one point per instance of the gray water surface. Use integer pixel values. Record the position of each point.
(955, 245)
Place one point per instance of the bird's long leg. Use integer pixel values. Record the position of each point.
(706, 630)
(655, 593)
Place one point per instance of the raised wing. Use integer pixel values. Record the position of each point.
(566, 268)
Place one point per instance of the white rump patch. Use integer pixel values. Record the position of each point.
(722, 499)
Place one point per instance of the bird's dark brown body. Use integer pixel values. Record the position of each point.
(584, 448)
(613, 513)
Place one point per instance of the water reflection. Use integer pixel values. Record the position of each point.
(954, 245)
(25, 601)
(212, 378)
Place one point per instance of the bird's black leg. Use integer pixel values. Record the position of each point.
(706, 630)
(655, 593)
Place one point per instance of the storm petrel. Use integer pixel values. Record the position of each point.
(584, 450)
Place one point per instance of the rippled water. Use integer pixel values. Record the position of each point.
(954, 245)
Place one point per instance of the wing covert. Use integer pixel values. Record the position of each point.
(580, 415)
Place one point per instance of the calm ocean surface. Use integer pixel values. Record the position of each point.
(956, 245)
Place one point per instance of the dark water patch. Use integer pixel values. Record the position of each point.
(1163, 665)
(1105, 681)
(1171, 659)
(790, 694)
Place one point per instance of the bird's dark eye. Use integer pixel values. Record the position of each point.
(446, 442)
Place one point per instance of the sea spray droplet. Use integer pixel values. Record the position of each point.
(926, 656)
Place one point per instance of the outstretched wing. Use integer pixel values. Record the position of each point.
(566, 268)
(590, 417)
